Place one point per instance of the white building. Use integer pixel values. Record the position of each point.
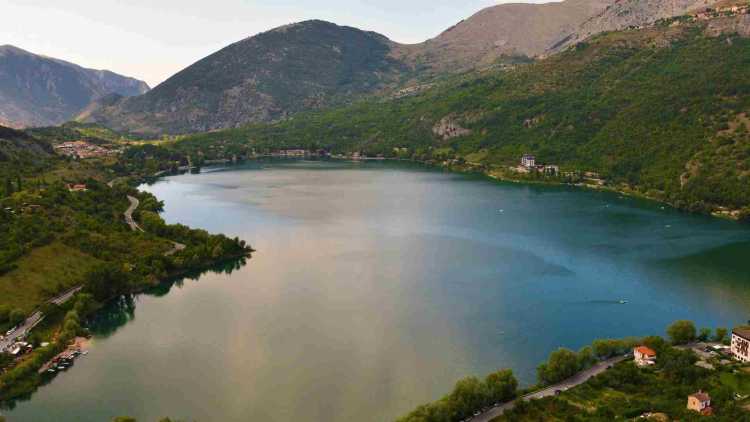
(740, 347)
(528, 161)
(644, 356)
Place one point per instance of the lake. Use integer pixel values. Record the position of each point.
(376, 286)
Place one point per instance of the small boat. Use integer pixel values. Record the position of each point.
(623, 302)
(51, 371)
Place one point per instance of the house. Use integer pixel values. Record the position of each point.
(528, 161)
(77, 188)
(644, 356)
(740, 346)
(700, 402)
(551, 170)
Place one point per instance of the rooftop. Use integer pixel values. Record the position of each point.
(701, 396)
(742, 331)
(645, 351)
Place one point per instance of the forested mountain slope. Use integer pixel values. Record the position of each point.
(262, 78)
(662, 110)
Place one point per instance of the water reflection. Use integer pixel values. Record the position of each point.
(120, 311)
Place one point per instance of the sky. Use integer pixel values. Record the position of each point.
(153, 39)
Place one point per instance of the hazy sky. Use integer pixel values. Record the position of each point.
(153, 39)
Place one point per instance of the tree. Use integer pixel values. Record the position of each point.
(4, 314)
(681, 332)
(124, 419)
(721, 335)
(656, 343)
(562, 364)
(501, 386)
(704, 334)
(19, 185)
(105, 282)
(586, 358)
(468, 395)
(16, 317)
(8, 187)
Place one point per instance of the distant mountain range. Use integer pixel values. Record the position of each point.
(315, 64)
(38, 91)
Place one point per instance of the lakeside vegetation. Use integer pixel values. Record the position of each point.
(624, 391)
(56, 237)
(659, 112)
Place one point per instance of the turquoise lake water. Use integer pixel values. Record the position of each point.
(375, 286)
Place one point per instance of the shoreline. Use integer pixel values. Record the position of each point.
(722, 213)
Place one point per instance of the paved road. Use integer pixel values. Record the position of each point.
(574, 381)
(36, 318)
(64, 297)
(134, 202)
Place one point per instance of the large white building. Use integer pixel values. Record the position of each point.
(741, 343)
(528, 161)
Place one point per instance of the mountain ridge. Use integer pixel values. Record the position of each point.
(299, 67)
(37, 90)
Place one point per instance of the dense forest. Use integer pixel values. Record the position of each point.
(660, 110)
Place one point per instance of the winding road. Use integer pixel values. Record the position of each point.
(134, 202)
(569, 383)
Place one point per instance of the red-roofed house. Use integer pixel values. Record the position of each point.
(644, 356)
(700, 402)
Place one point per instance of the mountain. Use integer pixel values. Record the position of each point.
(514, 29)
(17, 146)
(315, 64)
(267, 77)
(38, 91)
(661, 111)
(624, 14)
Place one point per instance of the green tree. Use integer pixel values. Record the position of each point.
(606, 348)
(501, 386)
(468, 395)
(721, 335)
(586, 358)
(19, 185)
(562, 364)
(105, 282)
(16, 317)
(8, 187)
(704, 334)
(656, 343)
(4, 314)
(124, 419)
(681, 332)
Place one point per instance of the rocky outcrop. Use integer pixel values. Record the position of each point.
(623, 14)
(729, 25)
(448, 128)
(503, 31)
